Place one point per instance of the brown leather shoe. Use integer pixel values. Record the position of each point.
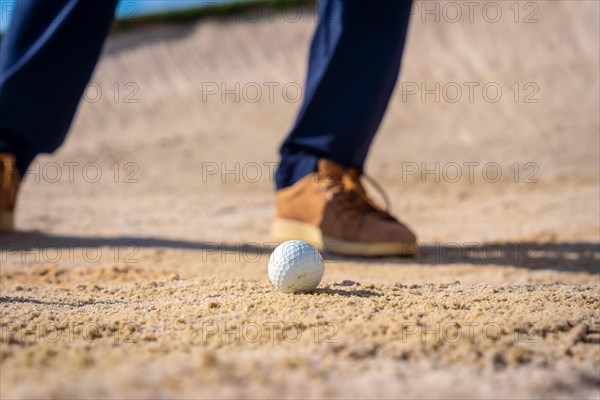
(9, 185)
(332, 210)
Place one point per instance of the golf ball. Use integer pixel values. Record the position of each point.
(295, 266)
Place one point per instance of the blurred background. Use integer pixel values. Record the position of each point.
(128, 8)
(187, 91)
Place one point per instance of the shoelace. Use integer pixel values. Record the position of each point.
(348, 182)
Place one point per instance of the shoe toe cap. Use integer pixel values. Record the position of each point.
(376, 230)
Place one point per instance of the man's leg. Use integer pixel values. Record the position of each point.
(353, 67)
(46, 60)
(354, 63)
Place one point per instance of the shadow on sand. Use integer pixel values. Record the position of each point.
(569, 257)
(56, 303)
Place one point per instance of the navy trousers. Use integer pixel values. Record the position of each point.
(52, 46)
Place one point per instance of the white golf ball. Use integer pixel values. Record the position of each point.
(295, 266)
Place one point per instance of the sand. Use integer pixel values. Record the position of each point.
(149, 280)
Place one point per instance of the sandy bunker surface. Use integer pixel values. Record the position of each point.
(149, 280)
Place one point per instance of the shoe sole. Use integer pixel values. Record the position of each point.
(6, 221)
(286, 229)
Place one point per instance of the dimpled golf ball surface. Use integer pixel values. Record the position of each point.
(295, 266)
